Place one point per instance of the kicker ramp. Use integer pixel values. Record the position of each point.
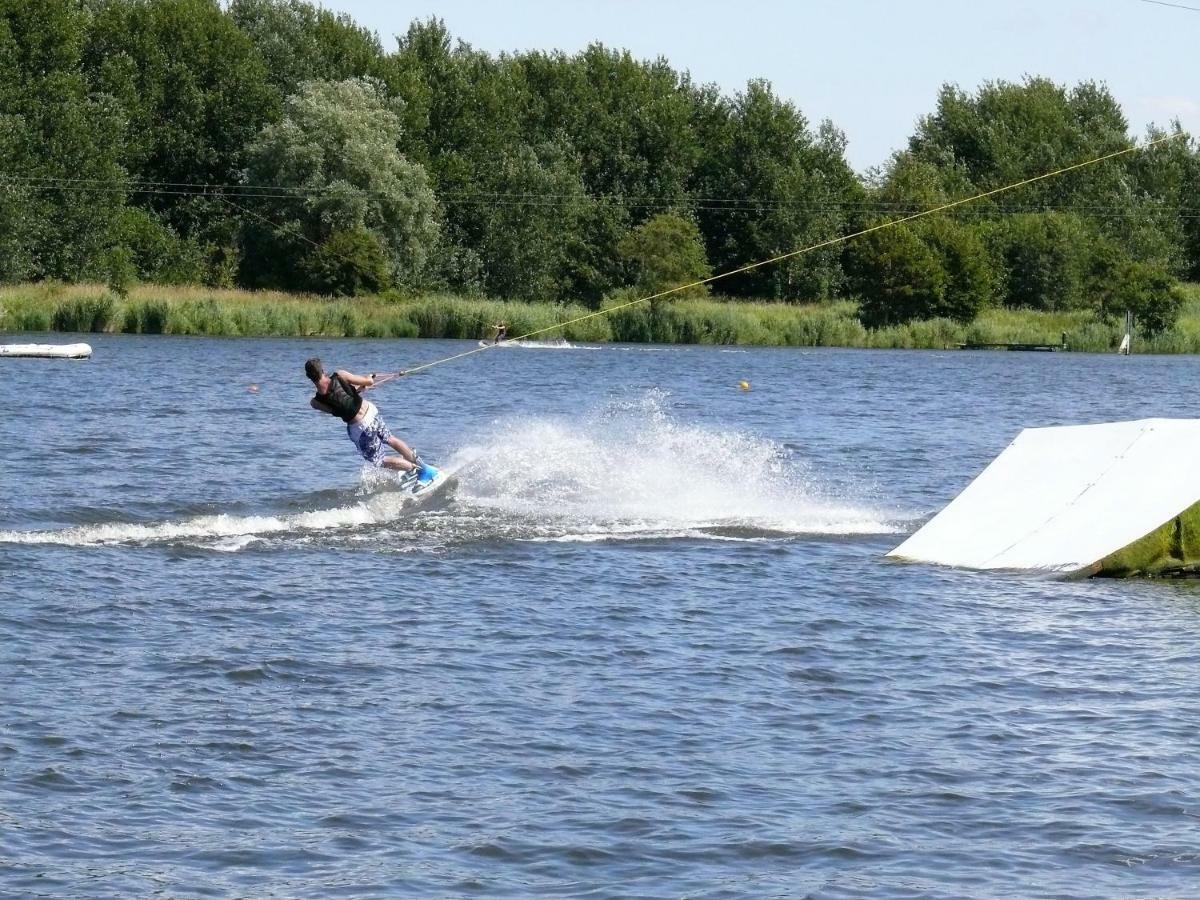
(1115, 499)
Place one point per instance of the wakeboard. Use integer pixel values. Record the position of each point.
(423, 490)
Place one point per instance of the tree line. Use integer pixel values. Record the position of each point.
(276, 144)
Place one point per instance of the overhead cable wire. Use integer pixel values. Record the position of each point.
(1173, 5)
(748, 205)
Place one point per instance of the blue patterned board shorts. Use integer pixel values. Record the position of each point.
(370, 435)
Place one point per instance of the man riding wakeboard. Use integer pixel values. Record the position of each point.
(340, 395)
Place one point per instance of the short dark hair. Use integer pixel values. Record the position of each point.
(313, 369)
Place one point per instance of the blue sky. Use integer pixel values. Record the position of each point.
(872, 66)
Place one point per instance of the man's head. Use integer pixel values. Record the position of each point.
(314, 370)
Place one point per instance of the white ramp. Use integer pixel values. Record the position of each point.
(1061, 499)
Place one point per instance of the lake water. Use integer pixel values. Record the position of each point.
(645, 645)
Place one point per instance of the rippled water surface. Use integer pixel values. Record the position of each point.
(644, 643)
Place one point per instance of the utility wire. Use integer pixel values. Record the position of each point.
(176, 188)
(746, 205)
(1173, 5)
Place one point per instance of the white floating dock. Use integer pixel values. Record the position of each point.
(1064, 499)
(52, 351)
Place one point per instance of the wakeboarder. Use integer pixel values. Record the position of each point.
(340, 394)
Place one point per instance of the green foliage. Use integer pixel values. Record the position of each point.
(667, 252)
(118, 270)
(156, 253)
(530, 256)
(275, 143)
(1117, 284)
(191, 91)
(54, 133)
(935, 268)
(301, 42)
(348, 263)
(969, 272)
(1044, 259)
(898, 276)
(1189, 190)
(1007, 132)
(786, 189)
(333, 160)
(1151, 294)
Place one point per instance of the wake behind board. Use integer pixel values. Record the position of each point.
(559, 344)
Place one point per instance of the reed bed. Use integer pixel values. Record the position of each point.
(149, 309)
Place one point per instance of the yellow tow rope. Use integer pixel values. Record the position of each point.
(766, 262)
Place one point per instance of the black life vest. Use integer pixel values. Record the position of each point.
(343, 398)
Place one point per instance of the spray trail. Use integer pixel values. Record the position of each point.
(632, 469)
(628, 470)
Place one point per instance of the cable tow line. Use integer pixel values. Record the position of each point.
(774, 259)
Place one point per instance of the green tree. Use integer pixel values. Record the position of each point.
(1117, 284)
(630, 120)
(896, 276)
(775, 188)
(528, 251)
(193, 91)
(1161, 225)
(921, 270)
(300, 42)
(971, 276)
(156, 253)
(1007, 132)
(1151, 294)
(348, 263)
(192, 87)
(627, 125)
(334, 167)
(665, 252)
(57, 142)
(1043, 259)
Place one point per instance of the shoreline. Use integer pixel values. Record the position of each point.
(213, 312)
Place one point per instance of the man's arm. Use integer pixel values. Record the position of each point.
(362, 382)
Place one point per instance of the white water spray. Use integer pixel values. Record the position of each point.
(633, 468)
(630, 470)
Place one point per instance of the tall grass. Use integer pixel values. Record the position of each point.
(150, 309)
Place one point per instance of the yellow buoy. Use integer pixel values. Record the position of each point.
(744, 385)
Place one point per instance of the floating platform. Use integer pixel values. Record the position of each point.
(1115, 500)
(49, 351)
(1041, 348)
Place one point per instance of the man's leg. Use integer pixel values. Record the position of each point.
(402, 448)
(407, 461)
(397, 462)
